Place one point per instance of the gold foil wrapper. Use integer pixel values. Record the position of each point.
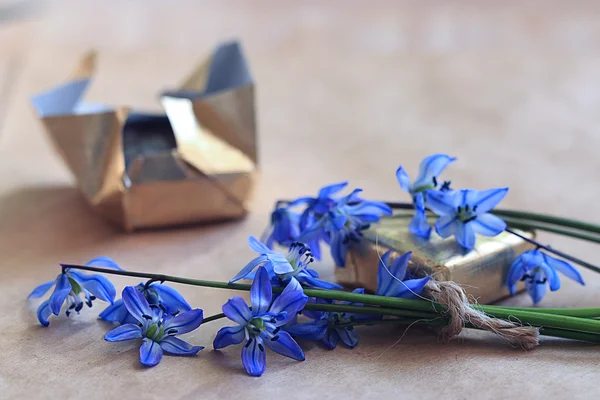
(194, 163)
(481, 271)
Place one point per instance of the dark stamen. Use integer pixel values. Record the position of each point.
(176, 313)
(459, 209)
(146, 316)
(249, 342)
(274, 338)
(172, 331)
(261, 347)
(276, 330)
(435, 182)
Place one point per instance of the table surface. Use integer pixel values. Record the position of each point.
(346, 90)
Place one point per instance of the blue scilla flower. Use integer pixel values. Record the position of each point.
(156, 328)
(317, 206)
(463, 213)
(70, 285)
(157, 294)
(539, 270)
(429, 171)
(282, 268)
(391, 278)
(284, 228)
(344, 224)
(328, 327)
(261, 325)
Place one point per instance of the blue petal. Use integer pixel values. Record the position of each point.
(286, 346)
(237, 310)
(124, 332)
(552, 277)
(170, 298)
(488, 199)
(564, 267)
(441, 203)
(536, 290)
(257, 245)
(185, 322)
(408, 289)
(116, 312)
(315, 248)
(177, 346)
(339, 248)
(403, 179)
(389, 277)
(465, 235)
(308, 280)
(288, 305)
(292, 285)
(254, 357)
(136, 303)
(249, 267)
(488, 225)
(418, 224)
(41, 290)
(338, 220)
(400, 264)
(150, 353)
(314, 330)
(61, 291)
(330, 190)
(43, 313)
(229, 335)
(431, 167)
(367, 208)
(261, 292)
(104, 262)
(96, 284)
(348, 336)
(384, 278)
(515, 273)
(313, 230)
(331, 338)
(447, 225)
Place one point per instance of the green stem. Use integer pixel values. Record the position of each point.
(570, 312)
(369, 310)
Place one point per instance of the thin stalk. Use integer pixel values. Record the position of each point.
(369, 310)
(213, 318)
(570, 312)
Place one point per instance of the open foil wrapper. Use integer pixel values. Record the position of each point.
(481, 272)
(195, 163)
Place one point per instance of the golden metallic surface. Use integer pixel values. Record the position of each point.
(196, 163)
(481, 271)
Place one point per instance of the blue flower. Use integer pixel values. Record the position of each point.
(463, 213)
(429, 170)
(261, 325)
(329, 327)
(294, 266)
(70, 284)
(156, 328)
(539, 270)
(317, 206)
(284, 227)
(157, 294)
(391, 280)
(344, 224)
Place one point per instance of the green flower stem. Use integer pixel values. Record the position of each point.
(425, 308)
(369, 310)
(570, 312)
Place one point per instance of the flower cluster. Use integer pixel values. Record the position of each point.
(337, 221)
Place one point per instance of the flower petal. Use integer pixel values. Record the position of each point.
(257, 245)
(314, 330)
(331, 339)
(116, 312)
(564, 267)
(43, 313)
(465, 235)
(369, 210)
(441, 203)
(488, 225)
(177, 346)
(419, 225)
(292, 285)
(328, 191)
(96, 284)
(61, 291)
(104, 262)
(488, 199)
(348, 336)
(286, 346)
(515, 273)
(431, 167)
(339, 248)
(254, 357)
(289, 303)
(408, 289)
(185, 322)
(229, 335)
(249, 267)
(41, 290)
(308, 280)
(313, 230)
(403, 179)
(150, 353)
(170, 298)
(447, 225)
(536, 289)
(552, 277)
(124, 332)
(136, 303)
(261, 292)
(237, 310)
(384, 278)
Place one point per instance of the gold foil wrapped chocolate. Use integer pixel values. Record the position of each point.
(195, 163)
(481, 271)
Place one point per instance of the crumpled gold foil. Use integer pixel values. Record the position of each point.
(481, 272)
(195, 163)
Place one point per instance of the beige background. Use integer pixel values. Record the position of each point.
(346, 90)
